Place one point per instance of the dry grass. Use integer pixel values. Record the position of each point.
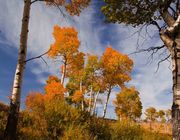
(163, 128)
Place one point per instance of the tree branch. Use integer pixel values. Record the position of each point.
(162, 60)
(36, 1)
(153, 22)
(40, 56)
(153, 49)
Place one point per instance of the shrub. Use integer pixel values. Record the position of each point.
(126, 130)
(99, 129)
(76, 132)
(31, 127)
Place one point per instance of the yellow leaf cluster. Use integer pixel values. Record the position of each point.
(128, 104)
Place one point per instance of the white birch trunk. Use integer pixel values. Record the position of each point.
(171, 38)
(82, 102)
(63, 72)
(11, 127)
(95, 101)
(90, 101)
(176, 89)
(105, 106)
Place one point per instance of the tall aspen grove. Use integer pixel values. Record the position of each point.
(90, 70)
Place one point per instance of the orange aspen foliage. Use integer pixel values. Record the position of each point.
(116, 67)
(74, 7)
(35, 101)
(77, 96)
(66, 42)
(54, 88)
(65, 47)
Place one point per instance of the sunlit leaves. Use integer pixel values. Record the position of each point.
(128, 104)
(77, 96)
(74, 7)
(54, 89)
(133, 12)
(116, 67)
(151, 114)
(66, 42)
(35, 101)
(76, 68)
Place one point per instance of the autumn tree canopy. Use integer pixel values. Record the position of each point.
(116, 69)
(65, 47)
(128, 104)
(151, 114)
(74, 7)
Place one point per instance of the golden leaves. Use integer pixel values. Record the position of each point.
(116, 67)
(77, 96)
(128, 103)
(74, 7)
(54, 89)
(34, 101)
(66, 42)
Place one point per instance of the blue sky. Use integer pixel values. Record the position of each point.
(95, 35)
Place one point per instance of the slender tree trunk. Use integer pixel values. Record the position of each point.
(63, 72)
(95, 100)
(11, 127)
(90, 101)
(176, 89)
(82, 102)
(171, 38)
(105, 106)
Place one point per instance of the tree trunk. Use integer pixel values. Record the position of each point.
(82, 102)
(94, 106)
(90, 101)
(171, 38)
(11, 127)
(176, 89)
(63, 72)
(105, 106)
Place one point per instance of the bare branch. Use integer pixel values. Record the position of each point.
(36, 1)
(153, 22)
(44, 61)
(162, 60)
(153, 49)
(60, 10)
(40, 56)
(173, 12)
